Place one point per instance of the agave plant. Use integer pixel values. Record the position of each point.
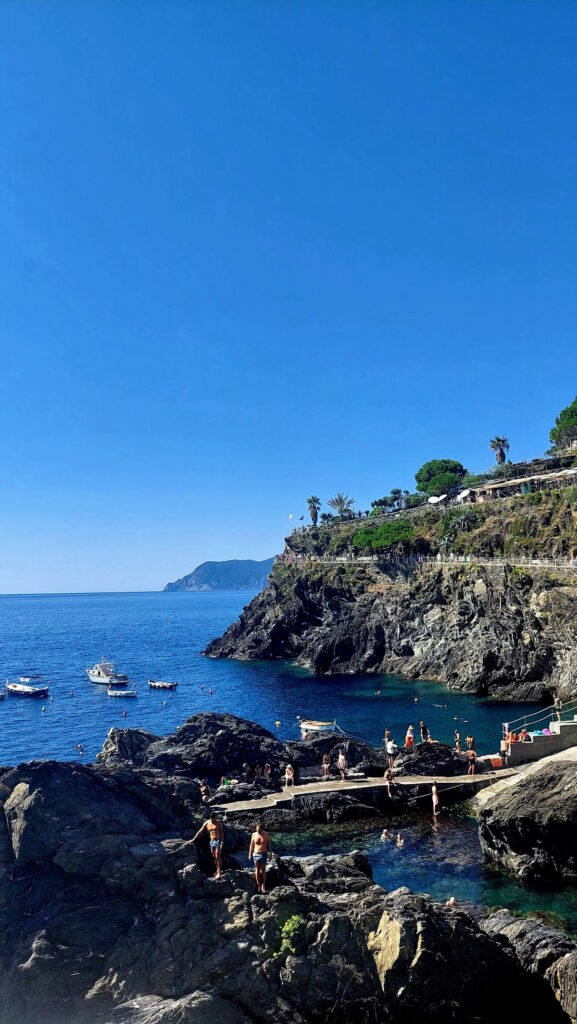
(342, 504)
(314, 505)
(499, 445)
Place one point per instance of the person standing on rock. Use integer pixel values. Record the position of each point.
(472, 761)
(470, 741)
(391, 751)
(342, 764)
(457, 741)
(558, 707)
(259, 850)
(215, 829)
(425, 734)
(326, 765)
(410, 738)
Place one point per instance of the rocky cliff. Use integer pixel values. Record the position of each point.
(109, 911)
(504, 631)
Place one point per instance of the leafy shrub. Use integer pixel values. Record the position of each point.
(384, 536)
(291, 932)
(565, 429)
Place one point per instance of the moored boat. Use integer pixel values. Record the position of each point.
(121, 693)
(159, 684)
(311, 727)
(104, 673)
(26, 690)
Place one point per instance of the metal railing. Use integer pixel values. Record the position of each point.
(440, 559)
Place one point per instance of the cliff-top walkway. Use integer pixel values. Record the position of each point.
(418, 787)
(300, 561)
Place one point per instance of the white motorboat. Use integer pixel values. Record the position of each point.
(158, 684)
(121, 693)
(104, 673)
(26, 690)
(311, 727)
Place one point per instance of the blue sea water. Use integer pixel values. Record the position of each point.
(162, 635)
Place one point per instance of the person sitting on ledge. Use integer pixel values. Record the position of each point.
(389, 781)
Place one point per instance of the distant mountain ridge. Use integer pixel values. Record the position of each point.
(234, 574)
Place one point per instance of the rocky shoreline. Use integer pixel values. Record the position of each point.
(504, 632)
(109, 911)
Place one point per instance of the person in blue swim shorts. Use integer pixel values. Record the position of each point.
(215, 829)
(259, 850)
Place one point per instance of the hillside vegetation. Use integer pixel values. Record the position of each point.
(543, 524)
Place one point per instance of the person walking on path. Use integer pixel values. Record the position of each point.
(326, 765)
(342, 764)
(215, 829)
(259, 850)
(558, 707)
(391, 751)
(435, 796)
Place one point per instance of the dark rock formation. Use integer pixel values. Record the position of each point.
(531, 827)
(541, 950)
(108, 912)
(234, 574)
(430, 759)
(502, 631)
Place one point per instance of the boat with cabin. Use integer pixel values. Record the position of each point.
(25, 689)
(104, 673)
(159, 684)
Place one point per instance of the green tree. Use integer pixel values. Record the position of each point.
(326, 517)
(314, 505)
(440, 476)
(499, 445)
(565, 430)
(342, 504)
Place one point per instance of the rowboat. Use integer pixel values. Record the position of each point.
(121, 693)
(25, 690)
(157, 684)
(312, 727)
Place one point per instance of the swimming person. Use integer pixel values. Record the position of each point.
(385, 834)
(400, 839)
(435, 796)
(259, 850)
(215, 830)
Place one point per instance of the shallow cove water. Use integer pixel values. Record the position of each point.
(442, 858)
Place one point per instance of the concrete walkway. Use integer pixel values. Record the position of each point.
(470, 784)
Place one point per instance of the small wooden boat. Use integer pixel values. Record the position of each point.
(311, 727)
(26, 690)
(158, 684)
(112, 692)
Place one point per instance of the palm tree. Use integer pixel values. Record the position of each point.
(314, 505)
(499, 445)
(326, 517)
(341, 503)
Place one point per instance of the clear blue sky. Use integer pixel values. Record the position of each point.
(256, 250)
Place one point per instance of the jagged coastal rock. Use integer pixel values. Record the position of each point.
(234, 574)
(530, 827)
(109, 912)
(510, 633)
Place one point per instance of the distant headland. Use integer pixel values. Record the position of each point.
(234, 574)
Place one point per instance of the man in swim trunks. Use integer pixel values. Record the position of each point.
(215, 829)
(259, 850)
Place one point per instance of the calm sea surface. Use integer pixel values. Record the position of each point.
(161, 635)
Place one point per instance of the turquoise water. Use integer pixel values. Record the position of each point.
(442, 858)
(161, 635)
